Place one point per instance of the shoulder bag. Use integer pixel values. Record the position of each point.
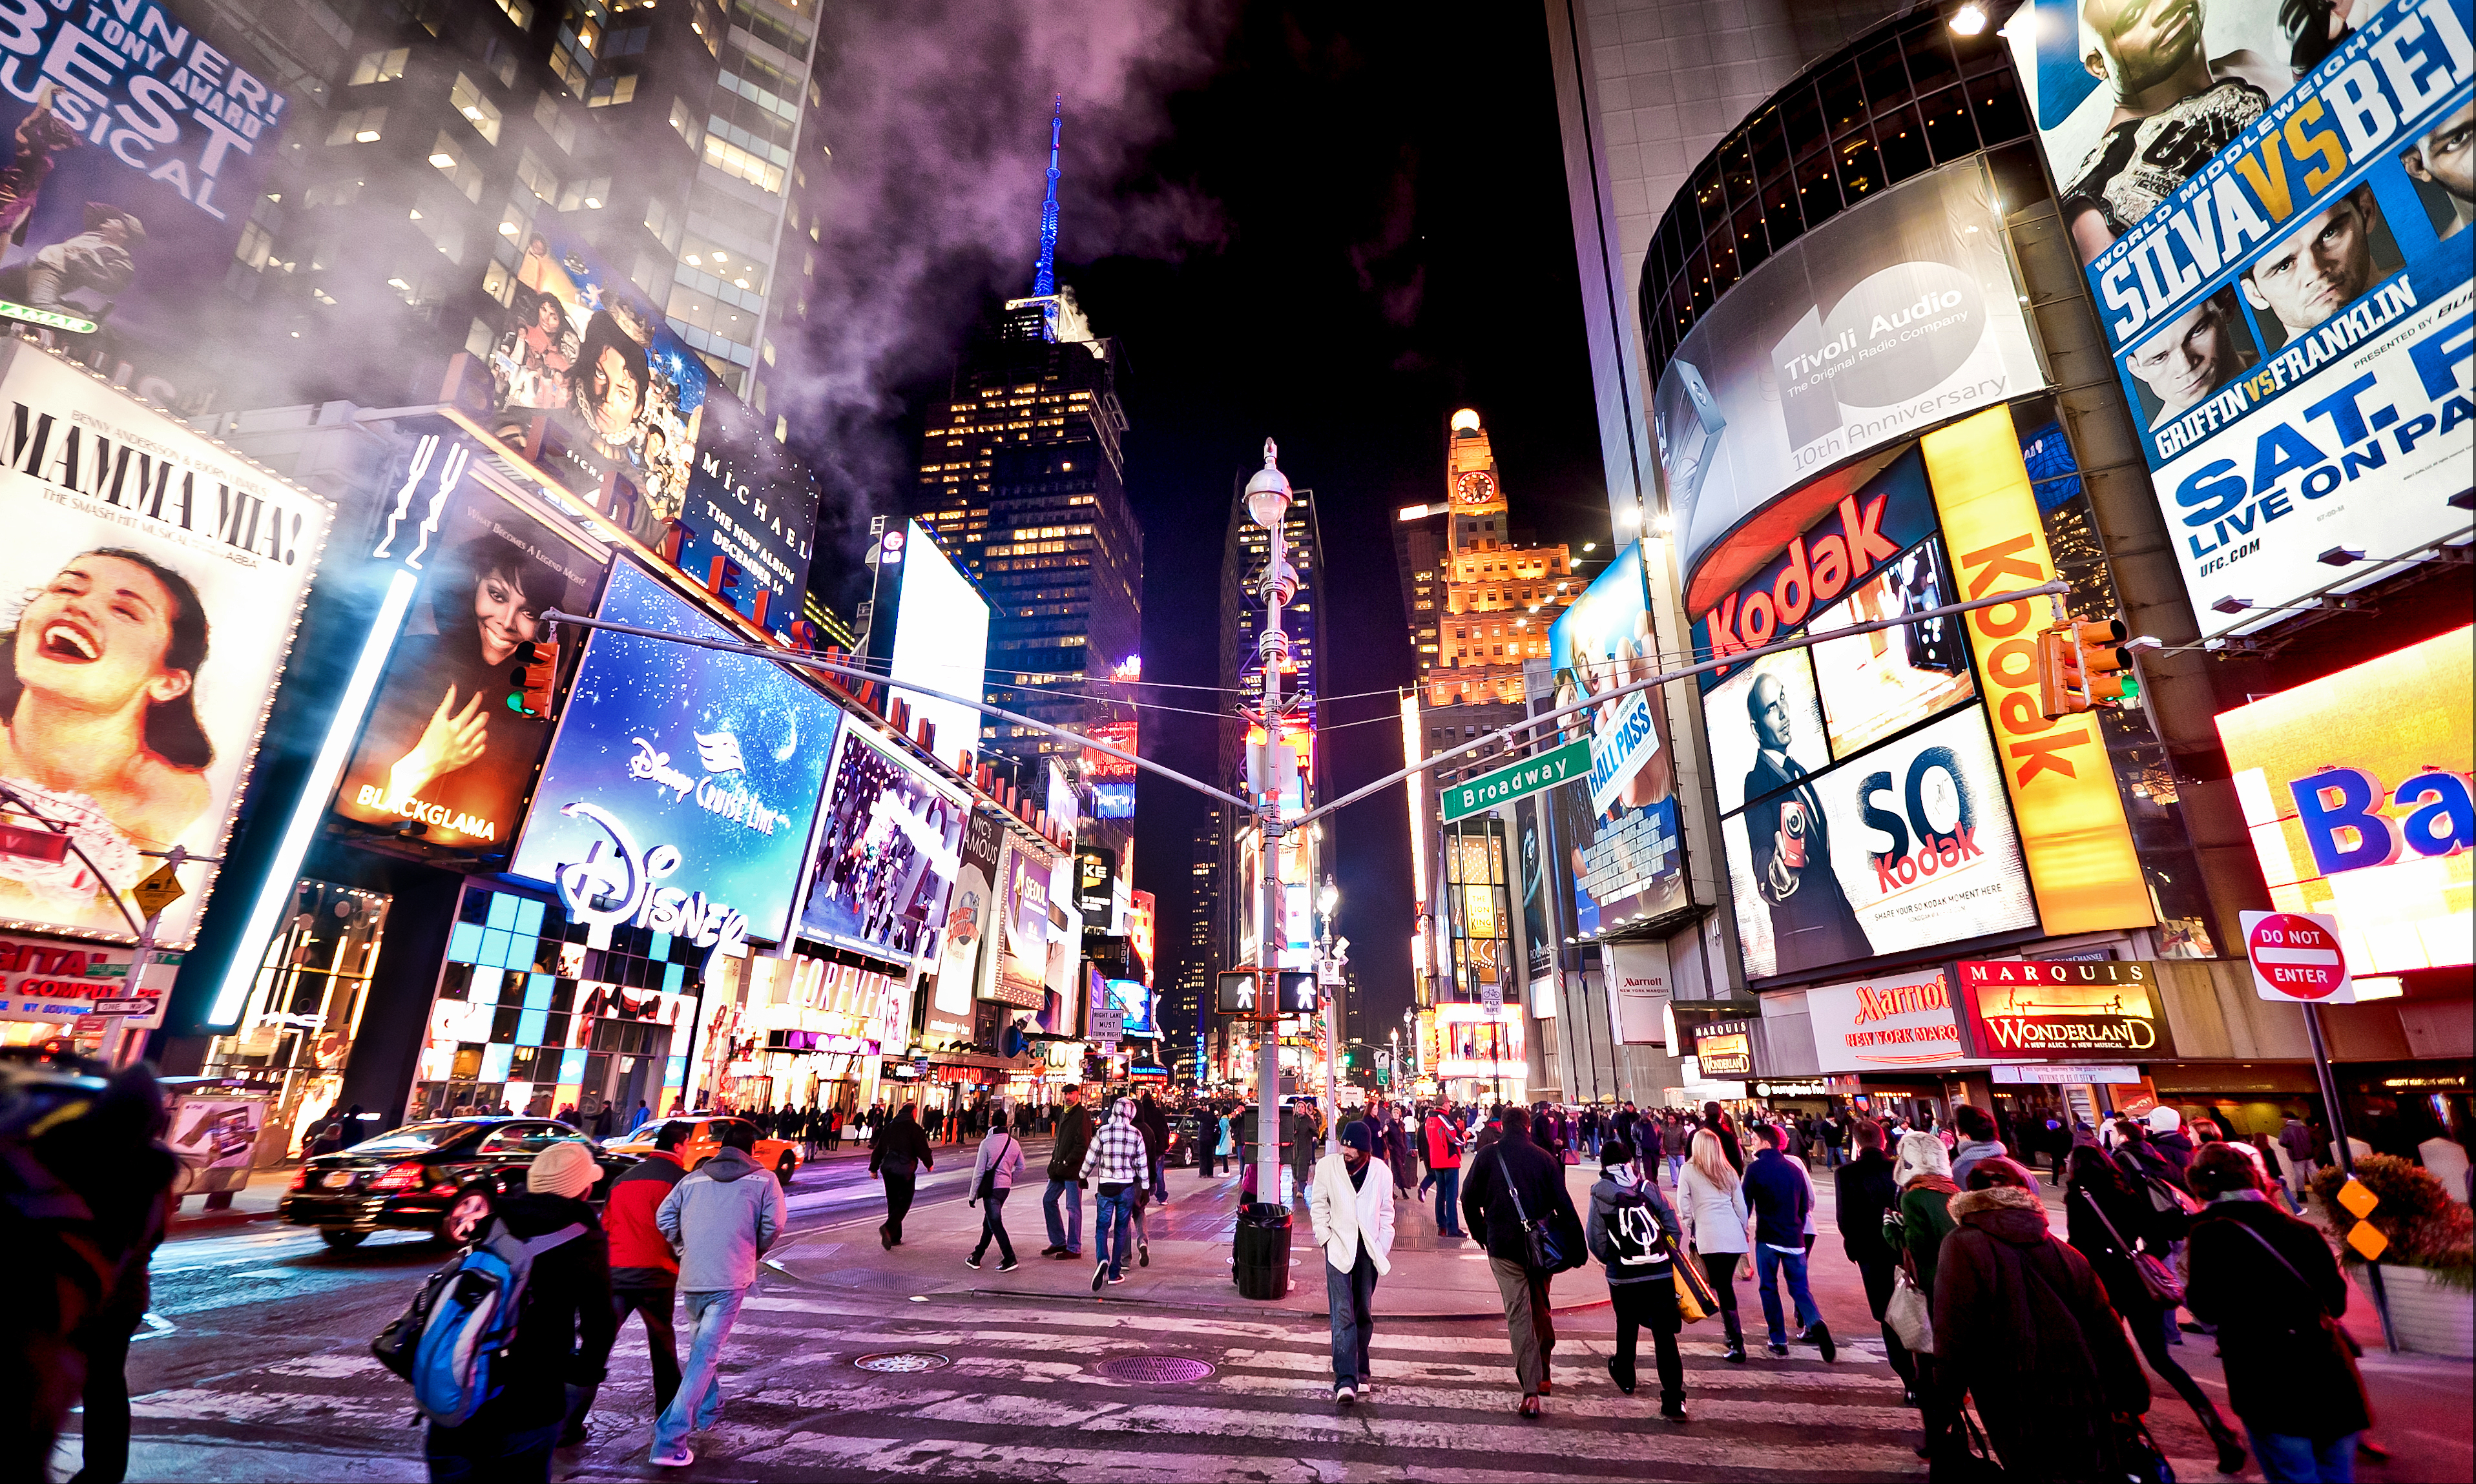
(1695, 1299)
(2157, 1279)
(1909, 1312)
(1540, 1252)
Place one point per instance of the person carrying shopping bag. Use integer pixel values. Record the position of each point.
(993, 1172)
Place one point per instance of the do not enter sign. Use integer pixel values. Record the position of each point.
(2295, 956)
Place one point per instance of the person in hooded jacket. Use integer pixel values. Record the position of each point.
(897, 1156)
(2169, 1139)
(992, 1171)
(1914, 1228)
(2268, 1282)
(720, 1218)
(562, 1339)
(2110, 1223)
(1630, 1231)
(2024, 1326)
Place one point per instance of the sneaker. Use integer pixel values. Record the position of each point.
(1143, 1254)
(1008, 1266)
(1342, 1396)
(1366, 1391)
(678, 1457)
(1099, 1275)
(1120, 1278)
(973, 1262)
(1778, 1351)
(1622, 1384)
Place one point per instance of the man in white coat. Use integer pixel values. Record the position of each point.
(1352, 1215)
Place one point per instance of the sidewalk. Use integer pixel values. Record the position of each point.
(1432, 1276)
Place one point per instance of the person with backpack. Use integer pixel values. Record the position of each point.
(1632, 1231)
(497, 1380)
(993, 1172)
(720, 1220)
(897, 1156)
(1351, 1215)
(644, 1271)
(1515, 1196)
(2268, 1282)
(1062, 1203)
(2124, 1239)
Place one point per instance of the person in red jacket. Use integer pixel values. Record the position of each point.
(644, 1271)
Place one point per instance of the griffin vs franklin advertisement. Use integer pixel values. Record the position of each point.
(2271, 200)
(154, 579)
(1907, 846)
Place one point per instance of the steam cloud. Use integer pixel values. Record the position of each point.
(936, 114)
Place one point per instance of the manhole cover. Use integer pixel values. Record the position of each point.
(901, 1361)
(1154, 1370)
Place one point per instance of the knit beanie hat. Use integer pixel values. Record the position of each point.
(564, 1168)
(1357, 1137)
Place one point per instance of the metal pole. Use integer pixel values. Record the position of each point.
(2346, 1158)
(1268, 827)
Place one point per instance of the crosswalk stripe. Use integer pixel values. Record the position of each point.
(1602, 1400)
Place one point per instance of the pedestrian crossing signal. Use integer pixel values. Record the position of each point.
(534, 679)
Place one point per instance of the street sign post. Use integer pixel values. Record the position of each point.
(1516, 780)
(2296, 958)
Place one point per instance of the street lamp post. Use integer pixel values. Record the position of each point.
(1267, 504)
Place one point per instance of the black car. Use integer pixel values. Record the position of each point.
(444, 1176)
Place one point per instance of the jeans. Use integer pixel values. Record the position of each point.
(1769, 1264)
(1066, 1230)
(1112, 1220)
(1831, 1156)
(992, 1227)
(1159, 1191)
(2288, 1459)
(661, 1339)
(486, 1455)
(1650, 1304)
(1351, 1297)
(1675, 1172)
(1449, 1201)
(713, 1312)
(1525, 1321)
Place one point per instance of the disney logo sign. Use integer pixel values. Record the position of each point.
(617, 883)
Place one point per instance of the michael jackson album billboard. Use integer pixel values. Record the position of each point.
(2271, 201)
(152, 583)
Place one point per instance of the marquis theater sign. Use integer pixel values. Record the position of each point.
(2101, 1010)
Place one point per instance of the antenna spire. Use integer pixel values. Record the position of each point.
(1043, 277)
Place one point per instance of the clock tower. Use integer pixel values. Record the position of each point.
(1471, 488)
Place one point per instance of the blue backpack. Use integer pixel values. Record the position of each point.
(462, 1321)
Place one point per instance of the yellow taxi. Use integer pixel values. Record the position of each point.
(703, 1141)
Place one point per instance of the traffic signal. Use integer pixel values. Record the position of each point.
(2063, 690)
(535, 677)
(2106, 665)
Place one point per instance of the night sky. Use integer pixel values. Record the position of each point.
(1393, 243)
(1398, 245)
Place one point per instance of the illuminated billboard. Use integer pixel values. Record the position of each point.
(1897, 314)
(2270, 202)
(941, 640)
(888, 852)
(2103, 1010)
(155, 579)
(1132, 999)
(1906, 846)
(683, 785)
(2355, 789)
(1617, 828)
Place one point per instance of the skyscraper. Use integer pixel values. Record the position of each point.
(1023, 479)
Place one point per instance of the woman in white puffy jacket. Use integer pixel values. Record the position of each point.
(1712, 1202)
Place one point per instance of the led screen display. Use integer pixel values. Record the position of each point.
(888, 852)
(1875, 685)
(1906, 846)
(941, 640)
(1134, 1001)
(680, 790)
(1764, 722)
(1617, 827)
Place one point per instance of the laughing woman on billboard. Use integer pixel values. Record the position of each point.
(100, 727)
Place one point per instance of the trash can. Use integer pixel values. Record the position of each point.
(1262, 1254)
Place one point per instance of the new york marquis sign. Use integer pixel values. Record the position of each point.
(1530, 775)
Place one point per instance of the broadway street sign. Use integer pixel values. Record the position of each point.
(1518, 780)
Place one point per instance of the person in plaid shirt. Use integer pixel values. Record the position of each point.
(1116, 1161)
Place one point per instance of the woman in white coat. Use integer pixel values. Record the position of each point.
(1713, 1204)
(1351, 1204)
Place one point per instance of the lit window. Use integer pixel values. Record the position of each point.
(358, 126)
(478, 111)
(380, 67)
